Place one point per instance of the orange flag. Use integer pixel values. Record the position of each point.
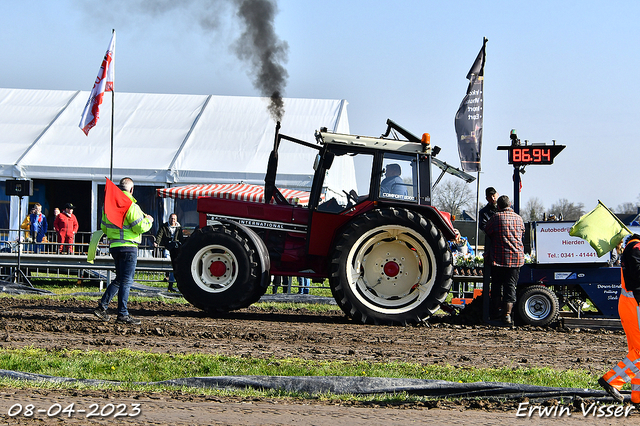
(116, 204)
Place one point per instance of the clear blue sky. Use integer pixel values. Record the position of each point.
(563, 70)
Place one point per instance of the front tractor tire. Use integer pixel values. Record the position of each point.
(391, 266)
(217, 270)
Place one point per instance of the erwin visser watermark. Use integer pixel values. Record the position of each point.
(592, 410)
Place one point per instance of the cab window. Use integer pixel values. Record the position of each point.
(346, 186)
(398, 180)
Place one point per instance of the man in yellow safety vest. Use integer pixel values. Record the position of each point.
(124, 222)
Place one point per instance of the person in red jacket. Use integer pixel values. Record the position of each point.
(66, 225)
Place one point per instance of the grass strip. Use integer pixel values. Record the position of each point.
(136, 366)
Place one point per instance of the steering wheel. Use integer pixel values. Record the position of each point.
(351, 196)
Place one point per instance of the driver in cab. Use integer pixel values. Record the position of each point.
(392, 182)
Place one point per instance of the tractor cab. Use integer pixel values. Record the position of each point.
(385, 169)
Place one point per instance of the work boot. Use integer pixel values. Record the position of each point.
(506, 319)
(611, 390)
(101, 313)
(170, 288)
(128, 319)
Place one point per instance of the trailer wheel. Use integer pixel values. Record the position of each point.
(537, 305)
(391, 266)
(216, 270)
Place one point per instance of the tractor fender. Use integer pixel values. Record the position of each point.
(442, 220)
(260, 246)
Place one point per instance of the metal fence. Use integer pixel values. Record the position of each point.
(50, 244)
(46, 259)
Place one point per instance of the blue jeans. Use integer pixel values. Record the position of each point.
(304, 285)
(125, 262)
(167, 255)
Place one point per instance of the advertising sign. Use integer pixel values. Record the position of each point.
(553, 244)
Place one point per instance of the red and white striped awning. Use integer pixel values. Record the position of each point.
(235, 191)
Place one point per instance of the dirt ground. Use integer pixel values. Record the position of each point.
(256, 333)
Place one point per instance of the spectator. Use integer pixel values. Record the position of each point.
(66, 226)
(285, 282)
(460, 245)
(56, 212)
(615, 255)
(491, 195)
(506, 230)
(303, 285)
(26, 225)
(170, 238)
(38, 227)
(123, 246)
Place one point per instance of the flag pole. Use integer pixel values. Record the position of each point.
(113, 96)
(621, 223)
(112, 114)
(477, 209)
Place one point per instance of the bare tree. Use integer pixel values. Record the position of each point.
(567, 210)
(452, 196)
(533, 210)
(627, 208)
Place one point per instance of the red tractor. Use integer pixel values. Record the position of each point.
(384, 251)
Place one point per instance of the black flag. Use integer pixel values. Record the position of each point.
(468, 120)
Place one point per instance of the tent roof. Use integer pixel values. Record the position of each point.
(159, 138)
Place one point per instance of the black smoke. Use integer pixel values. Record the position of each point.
(260, 46)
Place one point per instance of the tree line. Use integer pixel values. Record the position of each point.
(454, 196)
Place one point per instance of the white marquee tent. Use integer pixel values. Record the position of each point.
(160, 139)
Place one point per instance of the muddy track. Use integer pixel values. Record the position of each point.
(259, 333)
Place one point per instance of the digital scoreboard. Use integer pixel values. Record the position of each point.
(522, 155)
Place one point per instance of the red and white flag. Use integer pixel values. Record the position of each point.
(104, 83)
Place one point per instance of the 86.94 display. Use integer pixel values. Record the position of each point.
(533, 154)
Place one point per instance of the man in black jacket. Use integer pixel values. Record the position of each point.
(483, 217)
(170, 237)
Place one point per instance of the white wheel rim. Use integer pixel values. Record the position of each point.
(214, 268)
(391, 269)
(537, 307)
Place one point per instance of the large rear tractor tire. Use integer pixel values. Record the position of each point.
(217, 272)
(391, 266)
(537, 305)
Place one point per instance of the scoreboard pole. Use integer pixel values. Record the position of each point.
(516, 188)
(517, 183)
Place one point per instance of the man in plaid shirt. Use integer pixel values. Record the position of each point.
(506, 230)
